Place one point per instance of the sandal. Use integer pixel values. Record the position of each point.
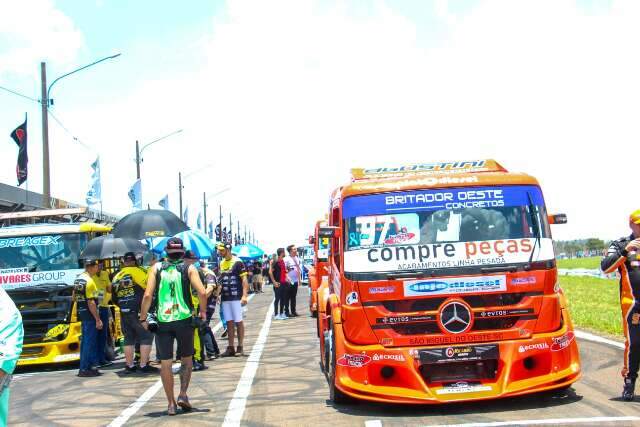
(183, 402)
(239, 351)
(229, 352)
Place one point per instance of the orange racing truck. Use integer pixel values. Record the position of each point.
(443, 287)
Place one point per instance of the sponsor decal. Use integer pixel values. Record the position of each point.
(388, 357)
(392, 320)
(459, 354)
(369, 230)
(435, 256)
(498, 247)
(560, 343)
(352, 298)
(56, 330)
(503, 313)
(20, 280)
(531, 280)
(441, 199)
(536, 346)
(442, 166)
(66, 357)
(14, 270)
(382, 290)
(386, 341)
(455, 286)
(155, 233)
(455, 339)
(463, 387)
(399, 238)
(354, 360)
(19, 242)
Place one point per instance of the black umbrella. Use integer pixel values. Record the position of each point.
(148, 224)
(104, 247)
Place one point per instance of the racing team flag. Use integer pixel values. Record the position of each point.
(19, 135)
(164, 203)
(218, 235)
(135, 195)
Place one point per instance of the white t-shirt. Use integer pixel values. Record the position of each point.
(293, 268)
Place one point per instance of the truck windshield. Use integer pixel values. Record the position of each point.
(42, 253)
(445, 228)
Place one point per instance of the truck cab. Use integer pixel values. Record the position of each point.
(443, 287)
(38, 265)
(318, 275)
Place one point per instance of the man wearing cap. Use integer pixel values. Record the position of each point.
(85, 294)
(129, 285)
(168, 299)
(619, 257)
(235, 290)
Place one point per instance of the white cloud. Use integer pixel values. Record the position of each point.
(33, 31)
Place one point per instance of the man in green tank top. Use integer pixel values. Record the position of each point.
(168, 299)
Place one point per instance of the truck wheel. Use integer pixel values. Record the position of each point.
(335, 395)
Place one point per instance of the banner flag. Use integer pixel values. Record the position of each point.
(164, 203)
(19, 135)
(135, 195)
(94, 195)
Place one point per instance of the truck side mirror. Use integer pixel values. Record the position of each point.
(329, 232)
(558, 219)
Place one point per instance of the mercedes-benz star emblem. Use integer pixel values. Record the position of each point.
(455, 317)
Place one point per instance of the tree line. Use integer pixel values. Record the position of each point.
(580, 248)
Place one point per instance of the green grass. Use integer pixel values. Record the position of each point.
(594, 304)
(590, 262)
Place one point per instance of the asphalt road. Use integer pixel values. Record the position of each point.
(287, 388)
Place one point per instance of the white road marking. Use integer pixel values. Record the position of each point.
(151, 391)
(239, 401)
(557, 421)
(373, 423)
(596, 338)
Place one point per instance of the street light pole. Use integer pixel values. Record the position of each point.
(204, 205)
(45, 102)
(180, 191)
(137, 160)
(46, 188)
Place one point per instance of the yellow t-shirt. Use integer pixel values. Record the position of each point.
(138, 275)
(90, 289)
(102, 281)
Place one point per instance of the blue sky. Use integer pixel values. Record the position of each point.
(290, 94)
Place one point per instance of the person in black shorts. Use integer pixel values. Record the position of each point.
(168, 300)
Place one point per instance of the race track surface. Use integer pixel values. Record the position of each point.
(282, 385)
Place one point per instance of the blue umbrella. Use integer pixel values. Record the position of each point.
(193, 240)
(247, 251)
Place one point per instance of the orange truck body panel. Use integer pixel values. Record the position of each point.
(395, 336)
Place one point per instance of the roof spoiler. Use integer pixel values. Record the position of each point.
(440, 168)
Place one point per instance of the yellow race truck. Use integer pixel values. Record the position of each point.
(38, 265)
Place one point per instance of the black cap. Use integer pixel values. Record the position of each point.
(129, 256)
(174, 245)
(189, 254)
